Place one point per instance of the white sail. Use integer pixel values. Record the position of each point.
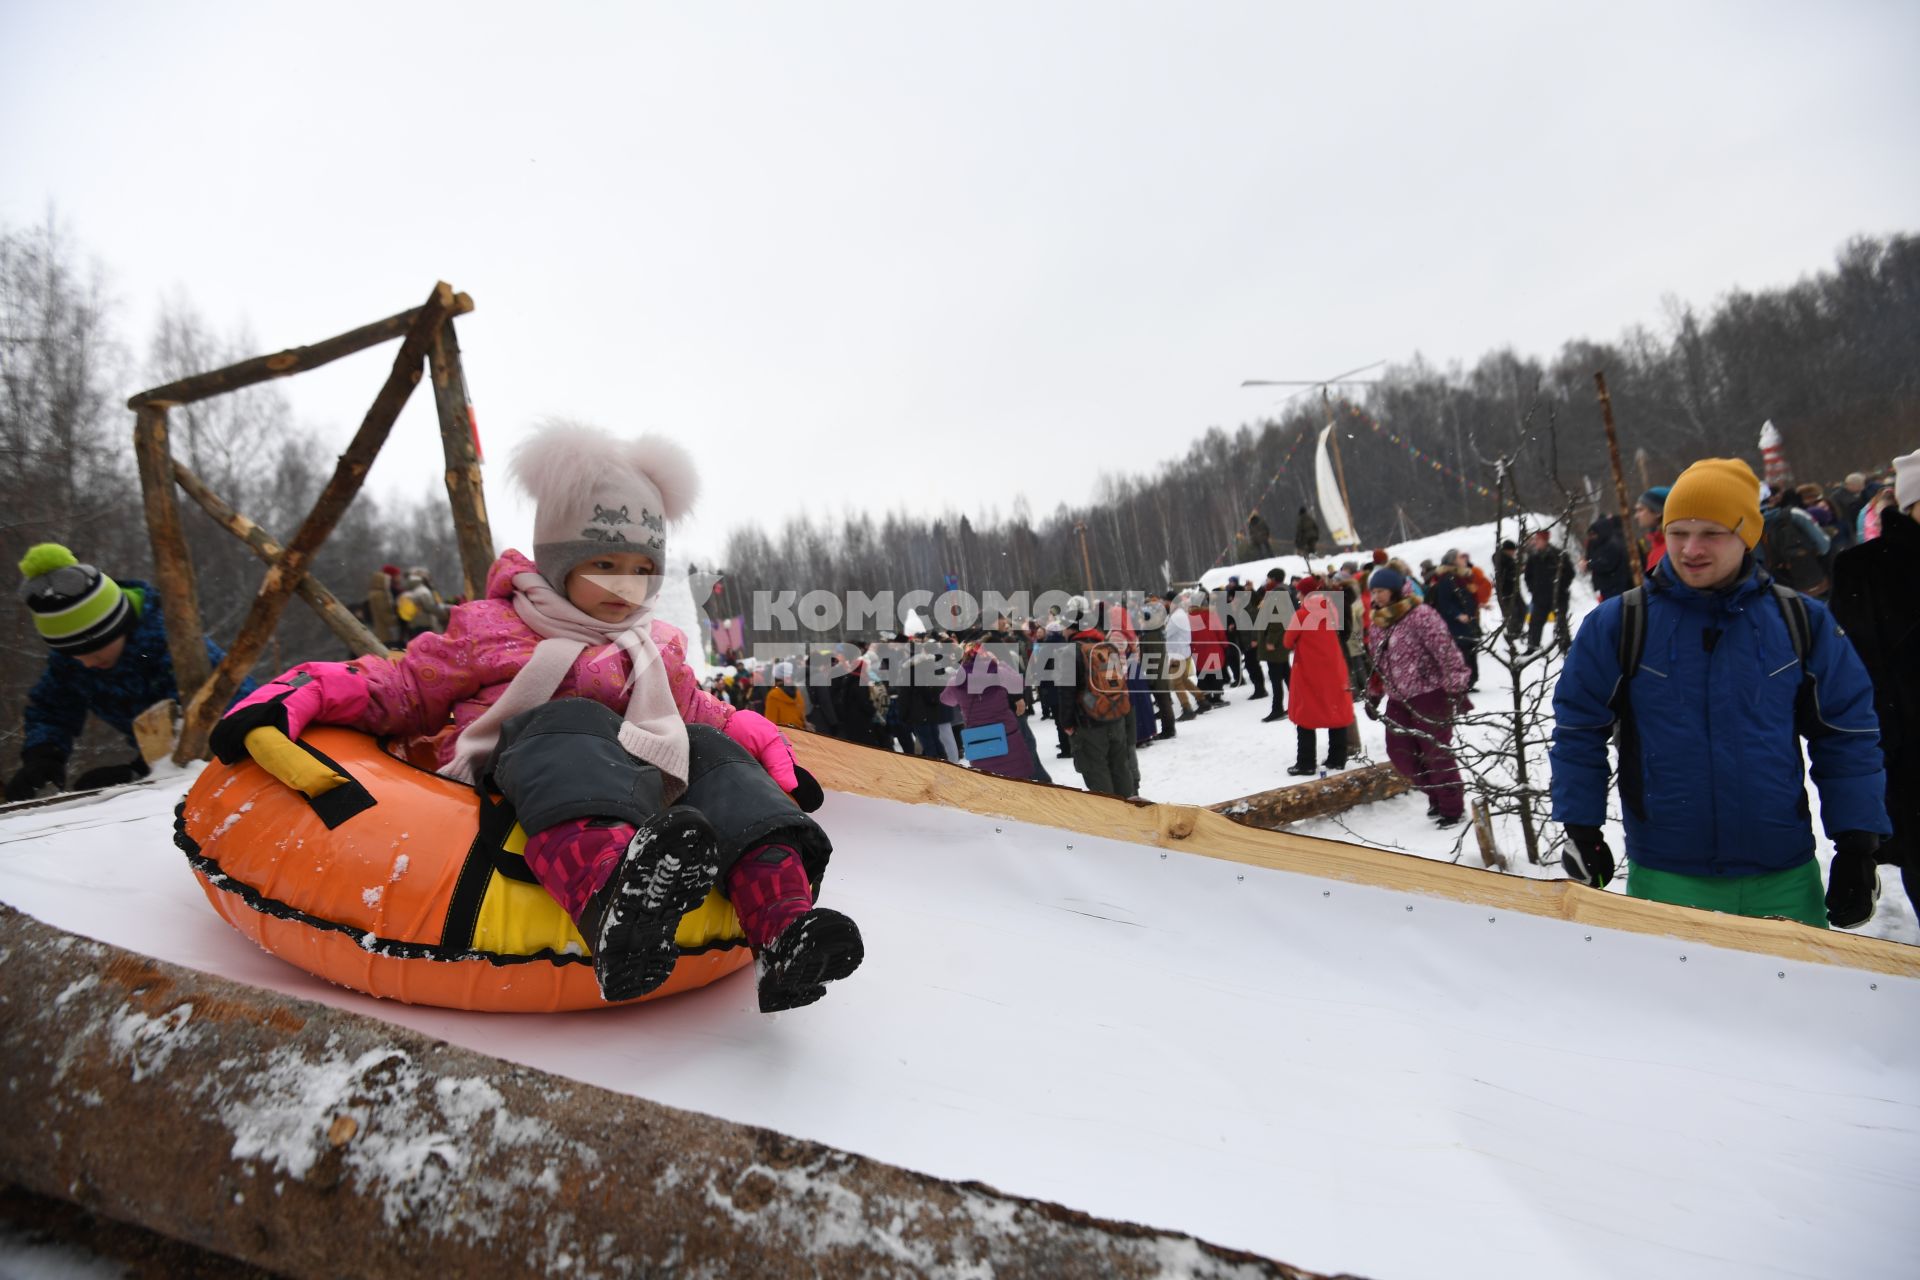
(1333, 511)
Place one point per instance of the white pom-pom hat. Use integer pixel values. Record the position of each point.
(597, 493)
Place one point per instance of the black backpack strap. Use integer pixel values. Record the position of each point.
(1626, 734)
(1633, 631)
(1793, 608)
(1807, 720)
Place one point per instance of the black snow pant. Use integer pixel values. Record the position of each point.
(563, 760)
(1103, 754)
(1537, 613)
(1254, 672)
(1336, 749)
(1277, 674)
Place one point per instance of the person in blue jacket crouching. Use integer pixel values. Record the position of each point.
(1712, 676)
(109, 658)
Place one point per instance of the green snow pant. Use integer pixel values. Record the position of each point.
(1795, 893)
(1104, 756)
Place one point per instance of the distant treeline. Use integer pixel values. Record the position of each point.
(1831, 360)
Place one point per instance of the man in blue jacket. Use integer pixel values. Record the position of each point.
(1711, 706)
(109, 658)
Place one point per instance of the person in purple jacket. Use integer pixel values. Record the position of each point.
(1419, 671)
(984, 690)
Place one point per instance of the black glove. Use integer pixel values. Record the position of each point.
(1373, 709)
(1588, 860)
(38, 766)
(1853, 879)
(806, 792)
(112, 775)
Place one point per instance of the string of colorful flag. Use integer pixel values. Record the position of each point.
(1420, 455)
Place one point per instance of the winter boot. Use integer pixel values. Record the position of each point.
(799, 948)
(822, 946)
(665, 871)
(1302, 766)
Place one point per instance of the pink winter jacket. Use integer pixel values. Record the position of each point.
(1414, 656)
(453, 678)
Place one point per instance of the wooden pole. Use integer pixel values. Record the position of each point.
(291, 361)
(1340, 470)
(458, 440)
(211, 699)
(172, 564)
(1086, 565)
(1619, 478)
(338, 617)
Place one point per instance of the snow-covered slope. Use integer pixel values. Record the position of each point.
(1342, 1077)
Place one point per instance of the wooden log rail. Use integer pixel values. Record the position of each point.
(210, 698)
(1315, 799)
(261, 1127)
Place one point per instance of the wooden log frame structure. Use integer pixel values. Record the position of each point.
(841, 766)
(427, 343)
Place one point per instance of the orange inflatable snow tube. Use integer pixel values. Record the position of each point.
(367, 871)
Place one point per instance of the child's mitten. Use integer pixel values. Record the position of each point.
(763, 741)
(313, 692)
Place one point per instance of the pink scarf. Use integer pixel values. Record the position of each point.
(653, 730)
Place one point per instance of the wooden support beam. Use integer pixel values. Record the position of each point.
(293, 360)
(339, 619)
(1315, 799)
(458, 439)
(172, 563)
(207, 703)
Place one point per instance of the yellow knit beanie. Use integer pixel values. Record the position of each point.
(1723, 490)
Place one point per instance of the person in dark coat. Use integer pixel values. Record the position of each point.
(1876, 599)
(110, 659)
(1506, 589)
(1549, 576)
(1259, 537)
(1049, 659)
(1451, 596)
(1607, 562)
(1306, 534)
(1275, 609)
(920, 693)
(1241, 601)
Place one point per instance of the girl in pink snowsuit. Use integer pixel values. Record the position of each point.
(640, 791)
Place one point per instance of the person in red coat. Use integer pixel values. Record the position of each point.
(1209, 651)
(1322, 688)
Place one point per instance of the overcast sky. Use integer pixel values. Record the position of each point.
(879, 255)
